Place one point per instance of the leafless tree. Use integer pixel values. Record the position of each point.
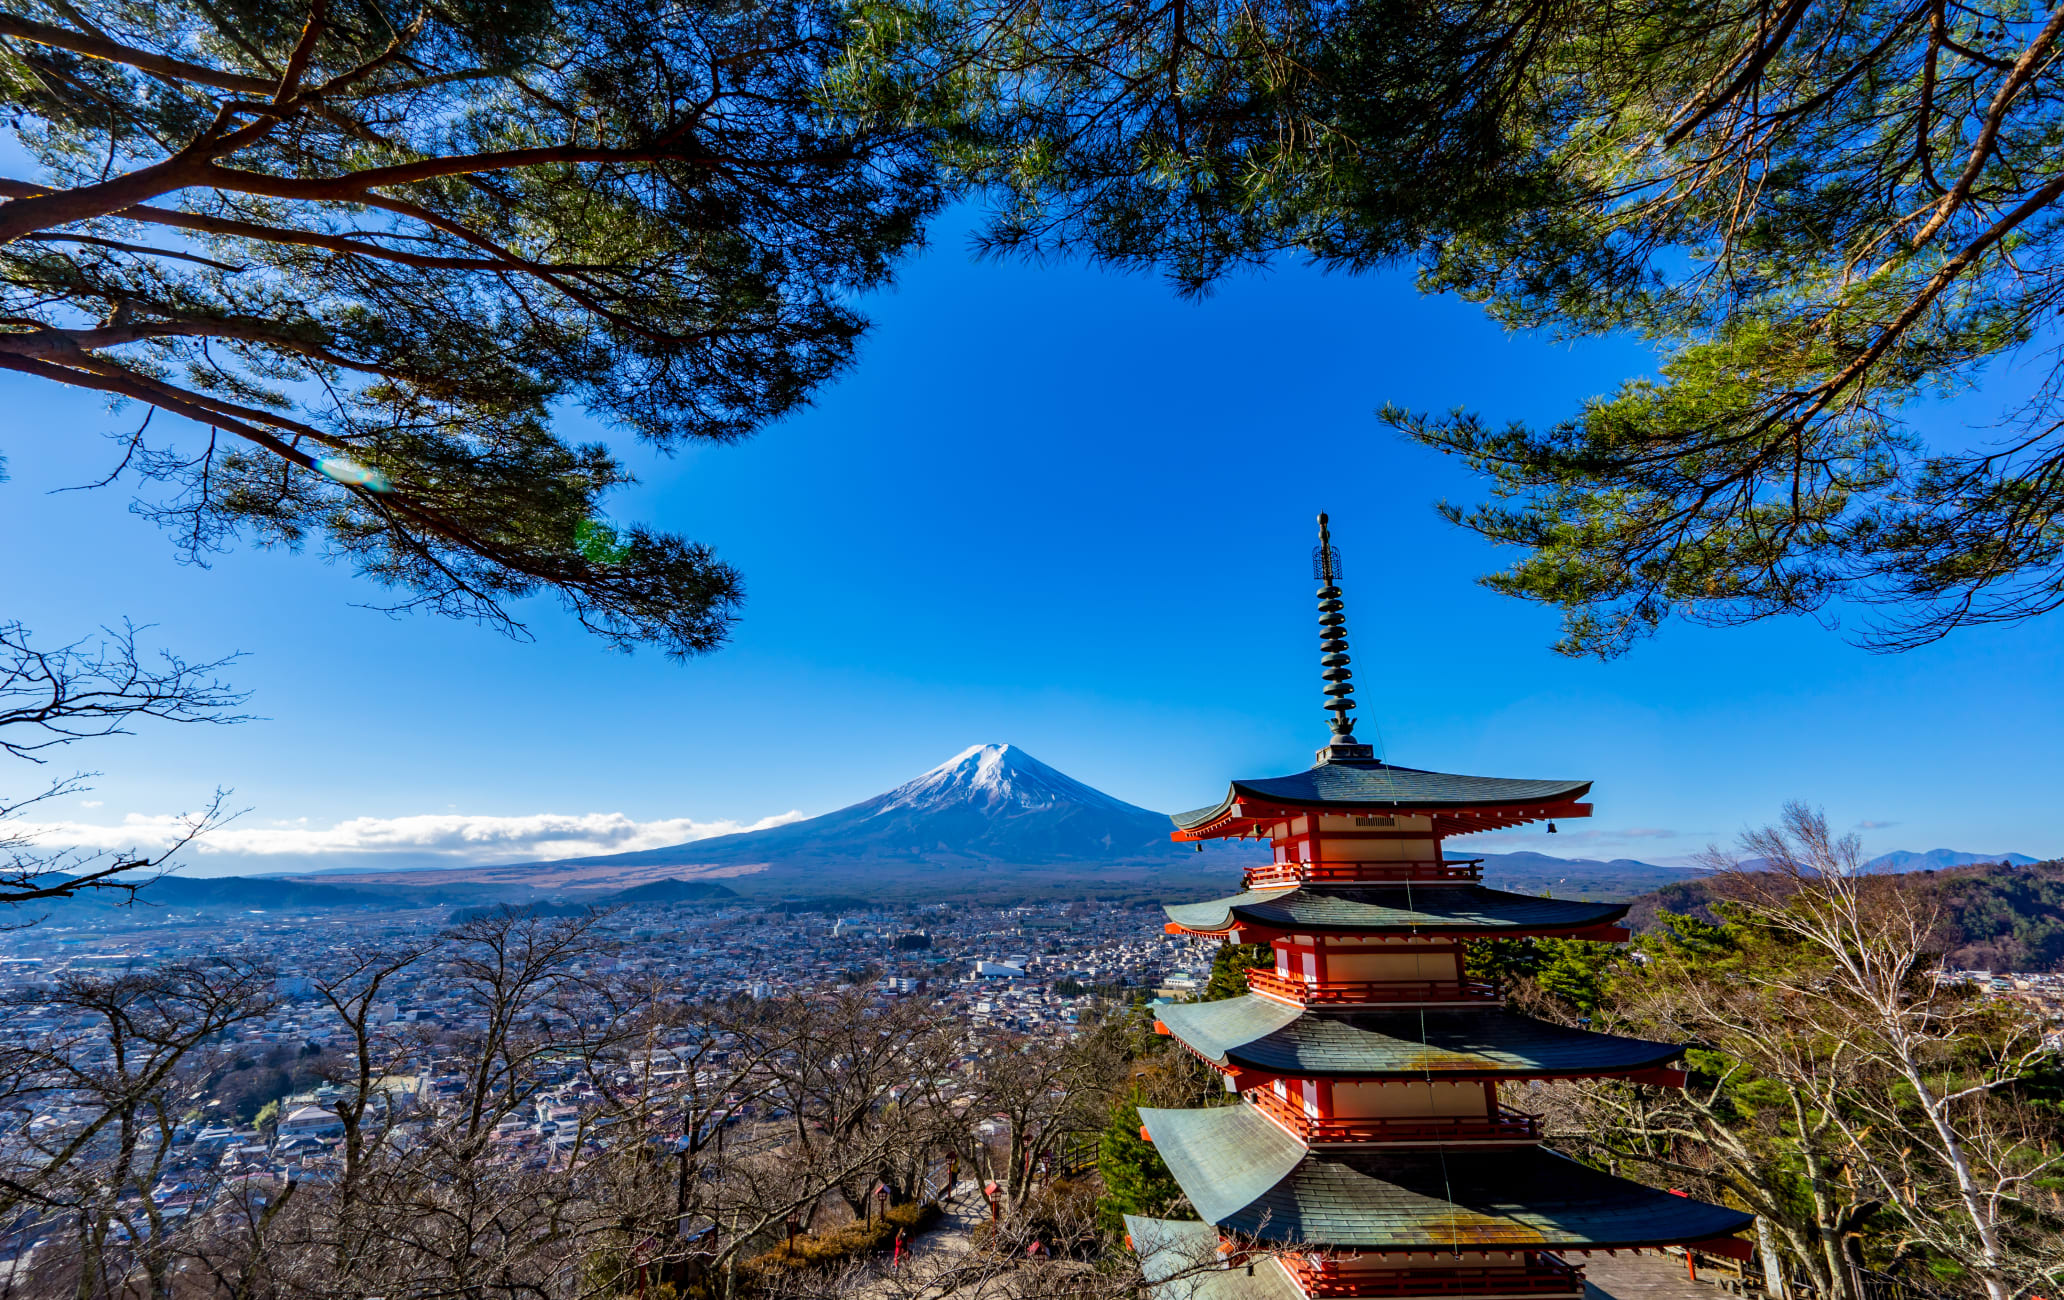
(88, 690)
(1049, 1091)
(1927, 1129)
(689, 1137)
(1845, 1084)
(116, 1073)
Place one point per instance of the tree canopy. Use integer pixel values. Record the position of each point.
(374, 254)
(1820, 213)
(367, 255)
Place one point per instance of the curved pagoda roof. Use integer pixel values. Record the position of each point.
(1181, 1261)
(1261, 1034)
(1437, 909)
(1245, 1174)
(1380, 787)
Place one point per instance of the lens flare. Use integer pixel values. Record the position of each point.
(352, 474)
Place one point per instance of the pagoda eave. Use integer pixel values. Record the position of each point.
(1251, 818)
(1261, 1039)
(1252, 932)
(1374, 1151)
(1192, 1261)
(1394, 909)
(1248, 1175)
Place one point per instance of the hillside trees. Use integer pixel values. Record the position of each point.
(1964, 1172)
(1052, 1092)
(1820, 214)
(359, 259)
(860, 1085)
(1873, 1113)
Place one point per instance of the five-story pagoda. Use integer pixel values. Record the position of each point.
(1374, 1154)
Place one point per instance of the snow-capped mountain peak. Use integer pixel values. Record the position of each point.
(989, 804)
(995, 778)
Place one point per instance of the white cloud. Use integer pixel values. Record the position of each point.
(461, 838)
(90, 803)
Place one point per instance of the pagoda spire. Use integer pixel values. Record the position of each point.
(1333, 658)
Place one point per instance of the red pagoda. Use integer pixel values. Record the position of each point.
(1374, 1154)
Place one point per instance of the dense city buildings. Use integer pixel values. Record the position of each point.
(1031, 969)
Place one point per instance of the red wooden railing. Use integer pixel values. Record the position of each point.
(1291, 873)
(1543, 1276)
(1297, 989)
(1506, 1125)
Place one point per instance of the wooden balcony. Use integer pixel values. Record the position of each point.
(1543, 1276)
(1277, 874)
(1505, 1126)
(1355, 993)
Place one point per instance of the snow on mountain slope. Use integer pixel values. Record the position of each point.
(988, 803)
(999, 778)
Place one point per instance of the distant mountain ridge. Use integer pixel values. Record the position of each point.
(988, 822)
(1605, 881)
(1942, 860)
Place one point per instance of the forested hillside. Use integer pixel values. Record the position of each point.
(1992, 917)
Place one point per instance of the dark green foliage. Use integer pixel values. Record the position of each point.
(1136, 1180)
(1819, 215)
(1197, 139)
(1229, 967)
(1576, 972)
(356, 263)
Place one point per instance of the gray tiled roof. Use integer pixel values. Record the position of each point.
(1245, 1174)
(1266, 1035)
(1181, 1262)
(1395, 907)
(1380, 784)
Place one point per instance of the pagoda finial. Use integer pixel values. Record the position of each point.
(1333, 654)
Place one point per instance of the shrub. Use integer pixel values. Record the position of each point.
(824, 1249)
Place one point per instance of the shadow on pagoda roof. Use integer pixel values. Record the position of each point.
(1372, 784)
(1246, 1175)
(1451, 909)
(1262, 1034)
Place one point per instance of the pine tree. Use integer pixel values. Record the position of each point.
(1229, 967)
(1136, 1181)
(348, 264)
(1820, 216)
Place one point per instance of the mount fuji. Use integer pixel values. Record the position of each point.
(991, 819)
(993, 804)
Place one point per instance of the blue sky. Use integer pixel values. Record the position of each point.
(1052, 506)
